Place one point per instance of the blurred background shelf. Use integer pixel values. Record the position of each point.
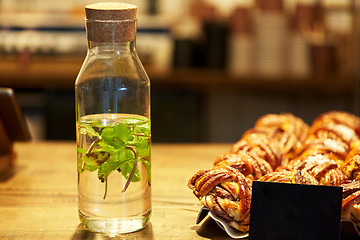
(202, 105)
(214, 66)
(61, 72)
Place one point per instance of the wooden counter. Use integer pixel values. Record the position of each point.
(40, 200)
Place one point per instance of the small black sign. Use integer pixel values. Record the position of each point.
(295, 211)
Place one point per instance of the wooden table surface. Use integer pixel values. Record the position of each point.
(40, 200)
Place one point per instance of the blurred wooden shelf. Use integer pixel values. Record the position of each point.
(217, 80)
(61, 72)
(40, 73)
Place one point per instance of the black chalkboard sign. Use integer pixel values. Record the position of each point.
(294, 211)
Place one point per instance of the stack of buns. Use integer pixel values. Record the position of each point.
(283, 148)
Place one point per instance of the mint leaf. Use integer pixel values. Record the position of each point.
(81, 150)
(122, 132)
(127, 155)
(88, 130)
(109, 136)
(107, 168)
(90, 163)
(142, 149)
(123, 161)
(107, 148)
(128, 160)
(145, 130)
(126, 169)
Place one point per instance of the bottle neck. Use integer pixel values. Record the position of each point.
(94, 46)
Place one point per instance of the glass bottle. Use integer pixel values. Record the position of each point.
(113, 124)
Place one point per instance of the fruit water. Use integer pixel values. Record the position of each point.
(114, 183)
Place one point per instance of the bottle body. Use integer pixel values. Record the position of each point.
(113, 139)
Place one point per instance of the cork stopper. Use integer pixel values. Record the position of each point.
(111, 22)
